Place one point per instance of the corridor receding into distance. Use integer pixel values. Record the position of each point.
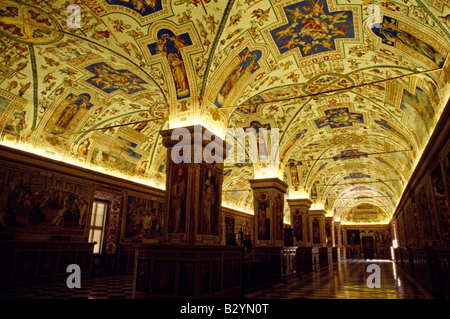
(212, 149)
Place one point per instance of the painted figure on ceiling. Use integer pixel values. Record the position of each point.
(83, 148)
(314, 191)
(389, 31)
(17, 122)
(294, 175)
(76, 103)
(248, 62)
(179, 74)
(170, 46)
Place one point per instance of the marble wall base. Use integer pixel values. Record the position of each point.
(273, 258)
(179, 271)
(429, 266)
(28, 262)
(324, 256)
(335, 254)
(307, 259)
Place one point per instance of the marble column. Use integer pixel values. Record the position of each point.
(299, 211)
(268, 198)
(193, 186)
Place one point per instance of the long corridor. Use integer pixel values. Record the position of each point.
(347, 279)
(343, 280)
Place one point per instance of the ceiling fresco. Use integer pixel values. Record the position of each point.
(355, 88)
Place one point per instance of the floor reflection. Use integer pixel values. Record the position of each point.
(347, 279)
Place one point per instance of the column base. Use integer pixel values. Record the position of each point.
(272, 257)
(180, 271)
(307, 259)
(335, 252)
(325, 256)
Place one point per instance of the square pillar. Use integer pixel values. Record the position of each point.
(194, 172)
(316, 226)
(337, 241)
(337, 234)
(299, 211)
(268, 199)
(329, 231)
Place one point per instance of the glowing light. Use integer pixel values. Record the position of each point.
(185, 121)
(361, 224)
(392, 253)
(298, 195)
(75, 163)
(317, 206)
(394, 243)
(239, 209)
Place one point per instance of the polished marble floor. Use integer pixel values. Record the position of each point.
(347, 280)
(102, 287)
(343, 280)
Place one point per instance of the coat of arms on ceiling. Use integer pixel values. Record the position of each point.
(26, 23)
(312, 27)
(339, 117)
(110, 80)
(143, 7)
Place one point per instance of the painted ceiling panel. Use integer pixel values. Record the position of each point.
(354, 87)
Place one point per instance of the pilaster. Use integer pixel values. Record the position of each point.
(268, 198)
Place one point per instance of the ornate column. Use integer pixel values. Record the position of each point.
(193, 186)
(338, 239)
(337, 234)
(268, 198)
(329, 231)
(192, 262)
(299, 211)
(316, 222)
(316, 227)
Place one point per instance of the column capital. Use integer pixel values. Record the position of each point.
(298, 203)
(200, 144)
(196, 131)
(265, 183)
(317, 212)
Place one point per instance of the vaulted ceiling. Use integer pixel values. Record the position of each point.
(355, 88)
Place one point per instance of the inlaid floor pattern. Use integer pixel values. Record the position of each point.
(343, 280)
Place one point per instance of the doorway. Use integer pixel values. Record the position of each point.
(368, 247)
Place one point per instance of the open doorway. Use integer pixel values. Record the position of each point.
(97, 225)
(368, 247)
(104, 229)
